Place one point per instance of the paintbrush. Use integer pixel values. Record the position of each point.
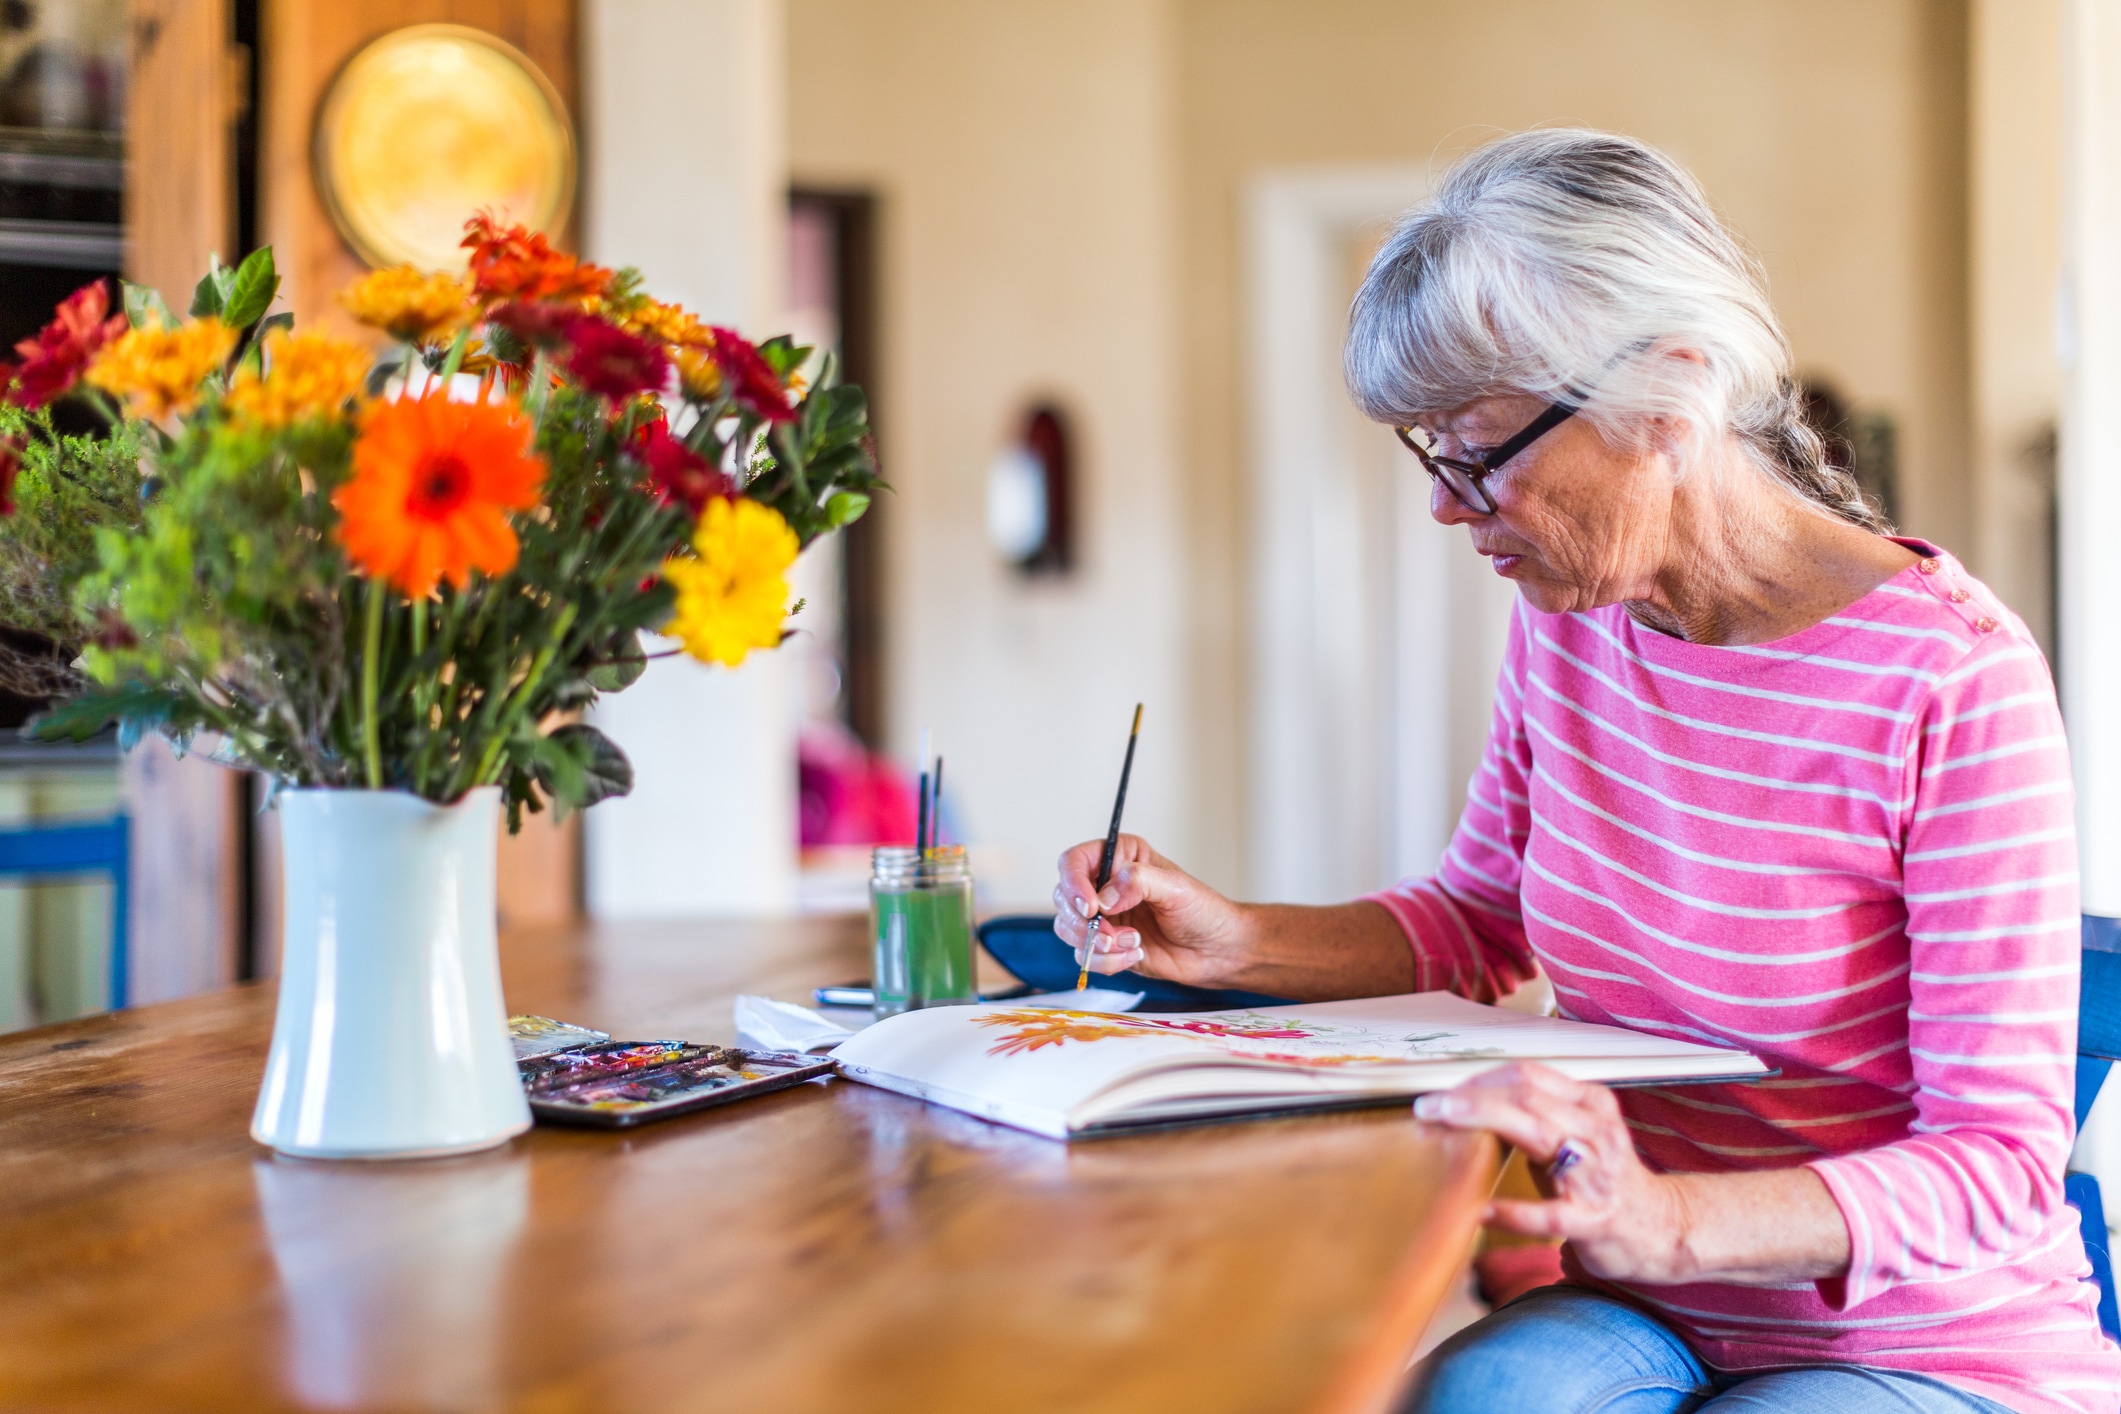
(935, 813)
(920, 828)
(1104, 860)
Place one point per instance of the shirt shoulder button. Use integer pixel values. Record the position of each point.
(1930, 566)
(1960, 596)
(1986, 625)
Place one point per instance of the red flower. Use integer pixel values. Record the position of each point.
(10, 464)
(751, 381)
(606, 359)
(678, 473)
(54, 360)
(541, 325)
(514, 262)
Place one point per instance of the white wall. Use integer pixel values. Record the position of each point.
(684, 156)
(2090, 483)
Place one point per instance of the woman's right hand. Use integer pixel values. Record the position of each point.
(1159, 920)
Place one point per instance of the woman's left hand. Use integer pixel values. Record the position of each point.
(1625, 1222)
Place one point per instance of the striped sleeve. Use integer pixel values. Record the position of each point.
(1463, 922)
(1990, 874)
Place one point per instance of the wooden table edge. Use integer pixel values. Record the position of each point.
(1371, 1379)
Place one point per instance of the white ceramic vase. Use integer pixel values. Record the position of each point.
(391, 1040)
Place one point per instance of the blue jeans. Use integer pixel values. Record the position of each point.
(1565, 1350)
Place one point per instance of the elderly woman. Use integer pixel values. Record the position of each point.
(1760, 775)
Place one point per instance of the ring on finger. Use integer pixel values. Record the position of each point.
(1565, 1158)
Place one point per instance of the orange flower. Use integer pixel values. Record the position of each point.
(515, 262)
(312, 375)
(433, 483)
(158, 370)
(409, 304)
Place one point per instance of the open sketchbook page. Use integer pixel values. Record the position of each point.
(1057, 1072)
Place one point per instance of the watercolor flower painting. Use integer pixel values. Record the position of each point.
(1030, 1029)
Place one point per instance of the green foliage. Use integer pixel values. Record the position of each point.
(237, 297)
(818, 469)
(144, 306)
(69, 490)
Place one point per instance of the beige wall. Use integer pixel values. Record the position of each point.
(1024, 156)
(1062, 183)
(2015, 256)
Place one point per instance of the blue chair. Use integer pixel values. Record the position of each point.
(2098, 1047)
(50, 852)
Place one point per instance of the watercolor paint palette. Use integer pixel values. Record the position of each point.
(618, 1084)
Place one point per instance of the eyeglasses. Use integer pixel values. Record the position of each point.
(1465, 480)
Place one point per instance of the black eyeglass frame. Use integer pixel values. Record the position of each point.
(1465, 480)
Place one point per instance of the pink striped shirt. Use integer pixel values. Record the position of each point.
(1851, 852)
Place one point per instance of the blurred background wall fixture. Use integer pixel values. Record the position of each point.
(1141, 218)
(1031, 495)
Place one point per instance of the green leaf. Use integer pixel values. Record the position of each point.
(138, 709)
(844, 508)
(144, 303)
(784, 355)
(579, 766)
(624, 663)
(605, 770)
(389, 366)
(211, 292)
(285, 319)
(250, 289)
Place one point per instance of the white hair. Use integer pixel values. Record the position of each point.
(1549, 257)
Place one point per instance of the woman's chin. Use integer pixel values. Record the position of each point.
(1550, 598)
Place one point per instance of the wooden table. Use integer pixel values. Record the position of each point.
(830, 1248)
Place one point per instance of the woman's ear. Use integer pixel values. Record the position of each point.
(1673, 435)
(1684, 353)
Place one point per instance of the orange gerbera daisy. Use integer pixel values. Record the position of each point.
(433, 483)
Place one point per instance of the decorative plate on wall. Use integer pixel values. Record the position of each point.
(430, 123)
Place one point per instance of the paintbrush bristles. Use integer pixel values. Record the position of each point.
(1104, 858)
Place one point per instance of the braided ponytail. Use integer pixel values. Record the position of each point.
(1784, 441)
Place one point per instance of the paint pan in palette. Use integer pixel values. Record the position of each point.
(617, 1084)
(540, 1035)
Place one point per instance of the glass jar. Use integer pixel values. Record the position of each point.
(920, 920)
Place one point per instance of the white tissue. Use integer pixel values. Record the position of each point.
(763, 1024)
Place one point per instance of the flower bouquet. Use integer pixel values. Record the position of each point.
(392, 582)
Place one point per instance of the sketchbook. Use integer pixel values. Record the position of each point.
(1072, 1073)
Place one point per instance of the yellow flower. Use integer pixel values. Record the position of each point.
(158, 370)
(308, 375)
(666, 323)
(417, 308)
(698, 374)
(733, 597)
(689, 343)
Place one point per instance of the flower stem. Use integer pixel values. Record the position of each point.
(422, 687)
(520, 698)
(371, 675)
(540, 383)
(455, 360)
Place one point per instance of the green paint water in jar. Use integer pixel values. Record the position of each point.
(920, 924)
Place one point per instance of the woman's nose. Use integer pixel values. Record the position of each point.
(1447, 509)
